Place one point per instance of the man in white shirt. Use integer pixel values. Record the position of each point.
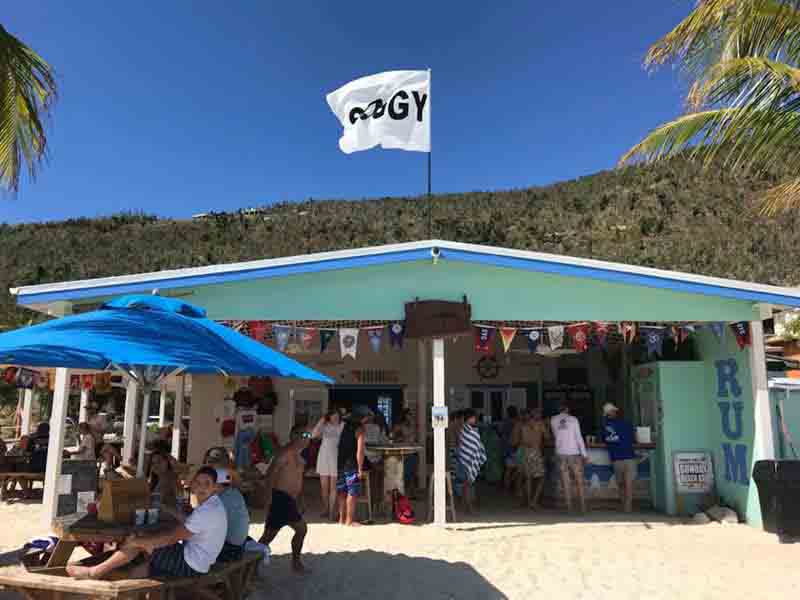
(570, 453)
(188, 550)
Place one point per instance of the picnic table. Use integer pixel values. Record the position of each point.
(393, 455)
(72, 532)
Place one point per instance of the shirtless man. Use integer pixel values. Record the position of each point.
(284, 480)
(528, 437)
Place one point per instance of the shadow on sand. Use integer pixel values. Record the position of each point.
(369, 574)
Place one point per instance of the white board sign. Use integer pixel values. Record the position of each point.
(439, 417)
(694, 472)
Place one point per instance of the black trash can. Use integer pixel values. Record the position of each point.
(778, 484)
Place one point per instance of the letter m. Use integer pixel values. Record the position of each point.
(726, 376)
(735, 463)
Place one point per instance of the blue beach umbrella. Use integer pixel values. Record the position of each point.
(149, 337)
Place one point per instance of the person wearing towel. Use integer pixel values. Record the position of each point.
(618, 437)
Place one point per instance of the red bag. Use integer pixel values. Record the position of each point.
(403, 511)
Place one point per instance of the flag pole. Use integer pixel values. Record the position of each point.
(430, 147)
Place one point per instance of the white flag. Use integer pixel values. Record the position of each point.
(390, 109)
(348, 342)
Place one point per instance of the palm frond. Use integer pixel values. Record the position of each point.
(27, 92)
(780, 198)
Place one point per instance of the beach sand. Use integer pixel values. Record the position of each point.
(513, 553)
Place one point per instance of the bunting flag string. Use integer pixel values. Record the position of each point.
(534, 337)
(507, 335)
(654, 340)
(307, 336)
(325, 338)
(257, 330)
(348, 342)
(741, 331)
(375, 336)
(628, 331)
(719, 329)
(282, 334)
(580, 336)
(87, 382)
(601, 333)
(397, 332)
(483, 339)
(556, 336)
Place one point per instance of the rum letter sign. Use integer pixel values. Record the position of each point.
(438, 318)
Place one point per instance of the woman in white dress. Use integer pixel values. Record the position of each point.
(329, 428)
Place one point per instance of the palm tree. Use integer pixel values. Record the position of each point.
(742, 59)
(27, 93)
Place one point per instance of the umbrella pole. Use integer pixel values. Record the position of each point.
(146, 389)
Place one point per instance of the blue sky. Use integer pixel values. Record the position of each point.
(179, 107)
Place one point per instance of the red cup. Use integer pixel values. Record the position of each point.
(92, 508)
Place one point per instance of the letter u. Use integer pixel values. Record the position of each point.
(725, 413)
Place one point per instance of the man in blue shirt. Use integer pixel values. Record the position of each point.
(618, 437)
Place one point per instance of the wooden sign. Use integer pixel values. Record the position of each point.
(120, 500)
(438, 318)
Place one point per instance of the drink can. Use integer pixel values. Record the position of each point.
(141, 516)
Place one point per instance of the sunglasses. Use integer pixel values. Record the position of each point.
(305, 435)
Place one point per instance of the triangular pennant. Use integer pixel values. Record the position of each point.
(325, 338)
(580, 336)
(348, 342)
(282, 334)
(87, 382)
(719, 329)
(396, 333)
(675, 334)
(534, 337)
(307, 336)
(375, 339)
(257, 330)
(742, 332)
(653, 339)
(556, 335)
(686, 330)
(601, 333)
(507, 335)
(10, 375)
(26, 378)
(483, 339)
(628, 331)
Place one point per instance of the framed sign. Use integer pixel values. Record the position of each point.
(438, 318)
(439, 417)
(694, 472)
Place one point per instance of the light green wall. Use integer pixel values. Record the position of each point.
(791, 417)
(495, 294)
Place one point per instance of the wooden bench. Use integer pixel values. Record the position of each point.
(18, 477)
(48, 583)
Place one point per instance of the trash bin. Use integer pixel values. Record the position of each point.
(778, 484)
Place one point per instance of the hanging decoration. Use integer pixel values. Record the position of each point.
(719, 329)
(375, 336)
(26, 379)
(580, 336)
(628, 331)
(601, 333)
(10, 375)
(396, 333)
(556, 335)
(307, 336)
(102, 383)
(507, 335)
(257, 330)
(685, 332)
(87, 382)
(487, 367)
(742, 332)
(653, 339)
(325, 338)
(675, 334)
(282, 335)
(534, 337)
(484, 336)
(348, 342)
(75, 383)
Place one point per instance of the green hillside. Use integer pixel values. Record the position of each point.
(672, 215)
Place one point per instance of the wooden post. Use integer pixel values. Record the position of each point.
(129, 425)
(439, 450)
(162, 405)
(27, 408)
(177, 420)
(422, 412)
(55, 449)
(83, 412)
(764, 438)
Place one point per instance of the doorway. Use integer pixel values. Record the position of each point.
(386, 400)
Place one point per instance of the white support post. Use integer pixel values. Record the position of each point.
(83, 413)
(55, 448)
(27, 412)
(177, 421)
(131, 395)
(439, 491)
(162, 405)
(422, 412)
(764, 439)
(146, 391)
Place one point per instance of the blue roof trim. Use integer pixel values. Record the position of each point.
(216, 278)
(612, 276)
(495, 260)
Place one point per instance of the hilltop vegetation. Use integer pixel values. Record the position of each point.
(671, 215)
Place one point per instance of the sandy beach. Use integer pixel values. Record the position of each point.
(512, 553)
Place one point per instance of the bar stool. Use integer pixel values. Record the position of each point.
(451, 506)
(365, 497)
